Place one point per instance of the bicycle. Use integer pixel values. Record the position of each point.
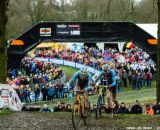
(100, 108)
(81, 110)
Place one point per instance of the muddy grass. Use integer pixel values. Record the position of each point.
(62, 121)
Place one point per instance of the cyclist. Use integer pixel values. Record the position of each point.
(110, 74)
(82, 81)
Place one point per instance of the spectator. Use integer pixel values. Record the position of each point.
(156, 108)
(124, 78)
(45, 108)
(137, 108)
(28, 93)
(60, 87)
(44, 92)
(36, 92)
(51, 92)
(123, 109)
(148, 110)
(68, 108)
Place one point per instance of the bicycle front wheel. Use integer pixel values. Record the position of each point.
(87, 115)
(76, 116)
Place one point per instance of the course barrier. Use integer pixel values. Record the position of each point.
(9, 98)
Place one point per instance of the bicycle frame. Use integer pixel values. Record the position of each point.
(81, 103)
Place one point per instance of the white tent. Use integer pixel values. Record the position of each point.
(150, 28)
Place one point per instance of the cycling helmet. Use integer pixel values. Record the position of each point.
(106, 68)
(83, 72)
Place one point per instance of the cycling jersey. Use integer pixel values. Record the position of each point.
(83, 83)
(112, 79)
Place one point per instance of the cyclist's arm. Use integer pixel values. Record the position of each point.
(89, 79)
(114, 84)
(114, 78)
(73, 80)
(99, 76)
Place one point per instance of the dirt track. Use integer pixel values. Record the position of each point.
(62, 121)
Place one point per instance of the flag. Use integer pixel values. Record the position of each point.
(130, 45)
(107, 56)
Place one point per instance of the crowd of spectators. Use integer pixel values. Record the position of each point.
(134, 66)
(121, 108)
(37, 78)
(34, 76)
(137, 108)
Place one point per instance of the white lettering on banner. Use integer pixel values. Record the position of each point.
(79, 66)
(69, 63)
(42, 59)
(61, 26)
(74, 26)
(56, 61)
(9, 98)
(63, 32)
(75, 32)
(91, 69)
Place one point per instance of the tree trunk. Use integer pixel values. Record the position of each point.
(3, 41)
(108, 10)
(158, 55)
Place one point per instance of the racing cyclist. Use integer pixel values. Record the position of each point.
(110, 74)
(81, 80)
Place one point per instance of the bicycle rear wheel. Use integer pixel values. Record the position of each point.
(99, 108)
(99, 112)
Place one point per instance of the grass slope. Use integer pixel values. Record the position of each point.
(69, 71)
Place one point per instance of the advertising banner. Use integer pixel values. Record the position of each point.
(45, 32)
(68, 29)
(69, 63)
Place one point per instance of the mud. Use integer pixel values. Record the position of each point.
(62, 121)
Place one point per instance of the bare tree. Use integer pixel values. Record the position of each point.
(158, 55)
(3, 41)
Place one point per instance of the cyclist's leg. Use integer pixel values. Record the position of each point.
(78, 103)
(110, 104)
(86, 101)
(83, 104)
(109, 96)
(114, 98)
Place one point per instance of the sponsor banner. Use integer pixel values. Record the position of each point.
(69, 63)
(55, 61)
(46, 32)
(79, 66)
(68, 29)
(75, 32)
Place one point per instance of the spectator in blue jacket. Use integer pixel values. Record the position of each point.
(51, 92)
